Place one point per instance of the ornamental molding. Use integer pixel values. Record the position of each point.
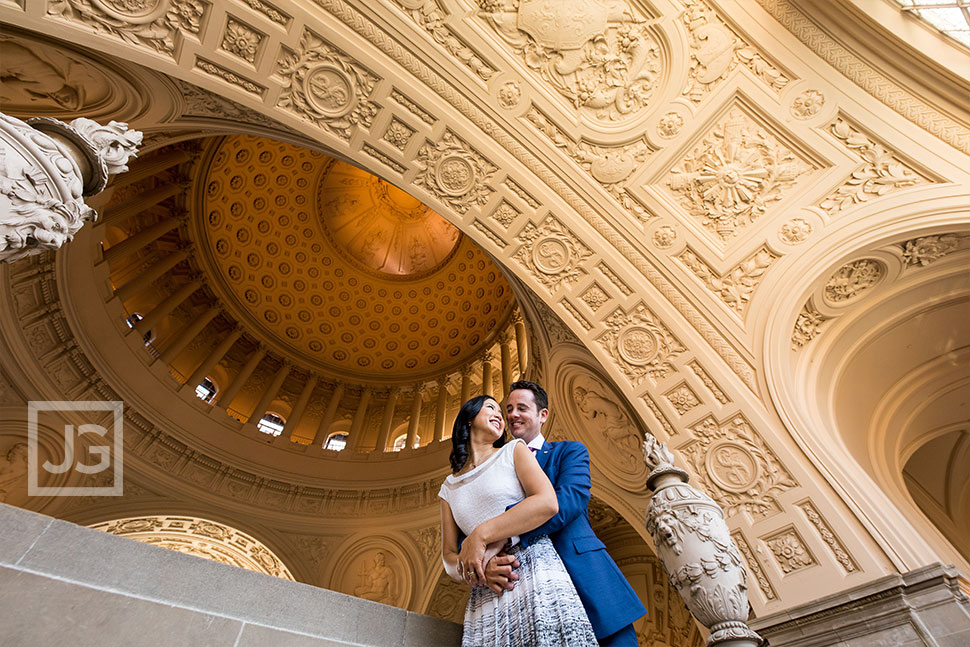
(852, 280)
(807, 104)
(325, 86)
(881, 171)
(901, 100)
(732, 176)
(920, 252)
(755, 566)
(737, 467)
(155, 24)
(716, 50)
(603, 58)
(737, 287)
(682, 398)
(454, 172)
(789, 550)
(242, 40)
(611, 166)
(707, 381)
(834, 544)
(808, 325)
(594, 297)
(202, 538)
(428, 540)
(795, 231)
(430, 16)
(639, 344)
(552, 254)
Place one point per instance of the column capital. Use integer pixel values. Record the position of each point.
(488, 356)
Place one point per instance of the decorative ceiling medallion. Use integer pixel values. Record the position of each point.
(455, 175)
(732, 467)
(136, 12)
(638, 345)
(602, 57)
(736, 171)
(329, 90)
(852, 279)
(552, 253)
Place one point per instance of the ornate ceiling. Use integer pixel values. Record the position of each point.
(338, 269)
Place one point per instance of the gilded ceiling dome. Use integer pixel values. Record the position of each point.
(338, 269)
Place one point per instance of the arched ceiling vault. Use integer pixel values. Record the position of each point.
(648, 175)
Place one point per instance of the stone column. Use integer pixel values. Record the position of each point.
(48, 168)
(520, 342)
(388, 419)
(328, 415)
(143, 280)
(185, 336)
(439, 412)
(506, 346)
(213, 358)
(141, 239)
(466, 384)
(300, 407)
(269, 394)
(152, 166)
(694, 546)
(226, 397)
(165, 308)
(487, 386)
(415, 417)
(118, 213)
(357, 424)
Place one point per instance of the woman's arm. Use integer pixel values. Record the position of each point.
(539, 506)
(449, 541)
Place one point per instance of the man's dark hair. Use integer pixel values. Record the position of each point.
(539, 393)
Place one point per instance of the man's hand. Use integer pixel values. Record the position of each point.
(500, 575)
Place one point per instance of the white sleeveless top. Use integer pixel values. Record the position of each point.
(484, 492)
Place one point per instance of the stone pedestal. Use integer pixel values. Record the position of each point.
(927, 607)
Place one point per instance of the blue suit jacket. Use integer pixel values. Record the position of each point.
(610, 601)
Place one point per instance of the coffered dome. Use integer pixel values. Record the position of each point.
(337, 269)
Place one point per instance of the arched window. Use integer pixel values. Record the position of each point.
(206, 390)
(336, 441)
(271, 424)
(134, 318)
(400, 441)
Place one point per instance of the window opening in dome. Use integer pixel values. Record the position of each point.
(336, 441)
(134, 318)
(402, 439)
(950, 17)
(271, 424)
(206, 390)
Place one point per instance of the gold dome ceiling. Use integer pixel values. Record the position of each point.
(339, 270)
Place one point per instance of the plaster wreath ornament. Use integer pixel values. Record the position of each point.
(639, 344)
(326, 87)
(852, 279)
(695, 548)
(454, 172)
(729, 180)
(923, 251)
(598, 55)
(552, 253)
(47, 167)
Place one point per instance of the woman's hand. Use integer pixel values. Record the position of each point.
(471, 563)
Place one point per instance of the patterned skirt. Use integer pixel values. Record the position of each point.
(543, 610)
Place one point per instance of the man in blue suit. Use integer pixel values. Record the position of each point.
(610, 602)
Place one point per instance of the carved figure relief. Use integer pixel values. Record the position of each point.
(880, 173)
(148, 23)
(376, 580)
(600, 56)
(639, 344)
(552, 253)
(736, 467)
(327, 87)
(730, 178)
(736, 288)
(454, 172)
(601, 416)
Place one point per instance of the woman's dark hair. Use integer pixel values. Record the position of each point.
(461, 432)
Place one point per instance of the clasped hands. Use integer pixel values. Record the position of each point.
(481, 564)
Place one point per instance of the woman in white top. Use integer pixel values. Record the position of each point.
(489, 476)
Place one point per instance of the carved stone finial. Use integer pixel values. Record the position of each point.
(46, 169)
